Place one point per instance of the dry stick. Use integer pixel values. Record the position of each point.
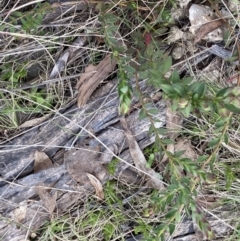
(139, 159)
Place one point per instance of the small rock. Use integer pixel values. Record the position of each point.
(177, 13)
(178, 51)
(183, 3)
(188, 36)
(174, 35)
(191, 47)
(213, 71)
(199, 15)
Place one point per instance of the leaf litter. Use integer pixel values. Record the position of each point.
(87, 84)
(42, 161)
(92, 77)
(49, 199)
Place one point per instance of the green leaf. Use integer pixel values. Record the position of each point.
(143, 74)
(112, 41)
(175, 104)
(162, 131)
(172, 187)
(167, 141)
(163, 206)
(202, 158)
(17, 14)
(178, 217)
(153, 111)
(229, 176)
(124, 108)
(142, 115)
(223, 92)
(220, 123)
(155, 74)
(170, 199)
(213, 159)
(130, 70)
(213, 142)
(111, 19)
(226, 138)
(171, 214)
(232, 108)
(175, 78)
(179, 89)
(108, 230)
(178, 153)
(166, 65)
(160, 229)
(198, 89)
(151, 129)
(183, 197)
(160, 30)
(124, 89)
(168, 89)
(187, 81)
(150, 160)
(171, 228)
(186, 111)
(150, 50)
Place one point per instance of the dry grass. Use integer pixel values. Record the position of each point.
(23, 53)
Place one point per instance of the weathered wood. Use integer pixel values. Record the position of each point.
(18, 181)
(55, 137)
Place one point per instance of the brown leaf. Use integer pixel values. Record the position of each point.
(83, 161)
(97, 185)
(48, 200)
(207, 201)
(42, 161)
(139, 158)
(35, 122)
(174, 125)
(93, 76)
(207, 28)
(185, 145)
(89, 71)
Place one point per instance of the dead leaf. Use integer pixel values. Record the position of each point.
(42, 161)
(89, 71)
(48, 200)
(139, 158)
(35, 122)
(97, 185)
(186, 146)
(174, 125)
(67, 56)
(83, 161)
(207, 201)
(207, 28)
(93, 76)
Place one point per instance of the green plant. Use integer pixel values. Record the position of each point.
(26, 102)
(186, 97)
(135, 32)
(29, 20)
